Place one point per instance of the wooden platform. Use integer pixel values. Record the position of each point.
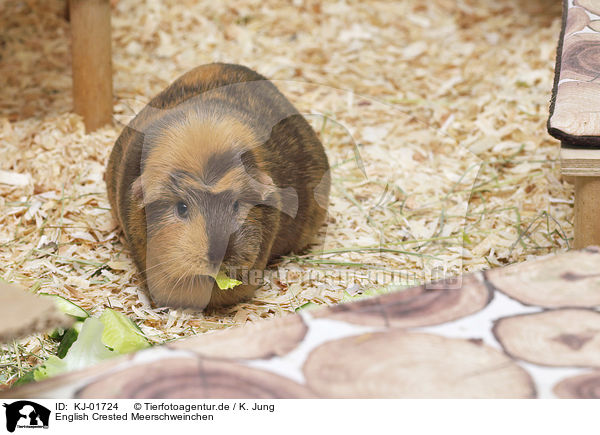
(575, 112)
(524, 331)
(580, 162)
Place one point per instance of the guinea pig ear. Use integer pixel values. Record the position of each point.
(263, 184)
(287, 199)
(137, 192)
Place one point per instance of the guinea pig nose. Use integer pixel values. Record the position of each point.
(216, 252)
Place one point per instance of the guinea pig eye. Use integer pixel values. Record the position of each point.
(182, 209)
(236, 206)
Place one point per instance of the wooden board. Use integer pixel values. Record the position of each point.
(23, 313)
(580, 162)
(575, 105)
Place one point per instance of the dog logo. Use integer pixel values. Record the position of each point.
(26, 414)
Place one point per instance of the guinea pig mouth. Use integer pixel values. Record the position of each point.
(213, 276)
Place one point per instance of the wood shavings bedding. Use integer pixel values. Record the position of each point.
(445, 102)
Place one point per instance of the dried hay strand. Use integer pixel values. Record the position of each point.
(445, 103)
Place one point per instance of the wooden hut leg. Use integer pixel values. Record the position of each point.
(587, 211)
(92, 65)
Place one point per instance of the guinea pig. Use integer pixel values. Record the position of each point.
(218, 171)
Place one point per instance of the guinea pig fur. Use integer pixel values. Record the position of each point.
(218, 171)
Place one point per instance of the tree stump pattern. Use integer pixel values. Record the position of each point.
(567, 338)
(580, 57)
(591, 5)
(480, 339)
(185, 378)
(398, 364)
(577, 20)
(416, 306)
(556, 284)
(259, 340)
(586, 386)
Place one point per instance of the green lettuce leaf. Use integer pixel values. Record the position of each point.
(226, 283)
(121, 333)
(67, 307)
(88, 349)
(92, 341)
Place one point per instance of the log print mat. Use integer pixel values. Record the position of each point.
(524, 331)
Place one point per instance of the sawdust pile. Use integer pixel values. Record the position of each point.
(432, 113)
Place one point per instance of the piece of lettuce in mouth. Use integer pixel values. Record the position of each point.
(226, 283)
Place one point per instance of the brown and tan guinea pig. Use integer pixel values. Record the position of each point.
(218, 171)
